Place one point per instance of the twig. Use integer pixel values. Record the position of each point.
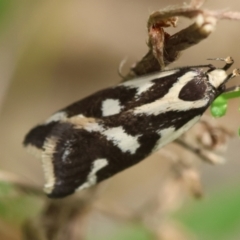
(20, 183)
(171, 46)
(205, 155)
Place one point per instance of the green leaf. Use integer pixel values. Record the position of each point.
(234, 94)
(219, 106)
(217, 217)
(5, 6)
(130, 232)
(16, 207)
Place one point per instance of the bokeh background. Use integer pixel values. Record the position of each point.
(53, 53)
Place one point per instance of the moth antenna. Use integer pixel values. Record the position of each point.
(228, 62)
(210, 66)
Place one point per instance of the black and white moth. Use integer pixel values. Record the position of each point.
(115, 128)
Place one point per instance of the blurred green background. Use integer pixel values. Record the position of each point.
(53, 53)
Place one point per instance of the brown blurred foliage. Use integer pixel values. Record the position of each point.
(56, 52)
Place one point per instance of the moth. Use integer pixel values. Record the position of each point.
(115, 128)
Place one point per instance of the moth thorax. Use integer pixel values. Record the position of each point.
(217, 77)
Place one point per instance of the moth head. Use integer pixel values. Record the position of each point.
(218, 77)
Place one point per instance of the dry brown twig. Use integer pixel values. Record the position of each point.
(165, 49)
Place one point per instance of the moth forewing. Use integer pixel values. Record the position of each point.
(113, 129)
